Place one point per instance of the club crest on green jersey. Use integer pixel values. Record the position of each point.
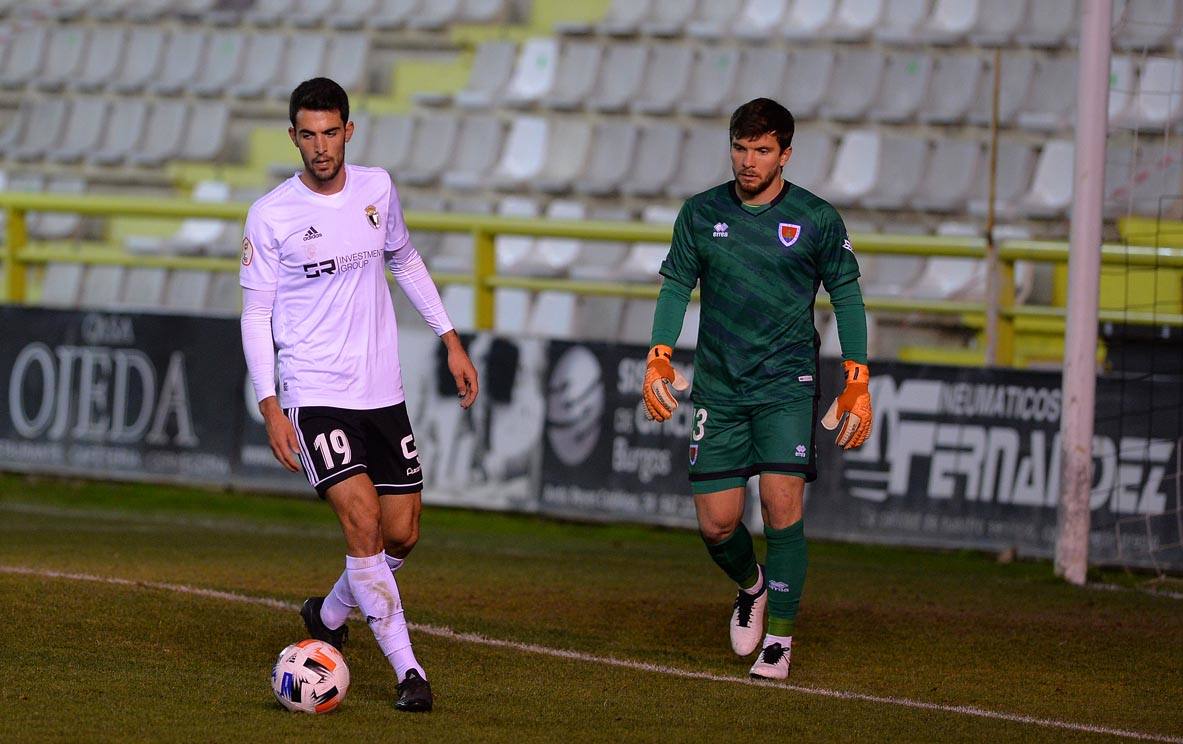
(693, 454)
(788, 233)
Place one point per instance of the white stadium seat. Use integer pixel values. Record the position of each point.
(760, 19)
(1051, 186)
(566, 155)
(524, 154)
(856, 167)
(534, 75)
(854, 20)
(187, 290)
(901, 20)
(102, 286)
(482, 11)
(808, 20)
(714, 19)
(312, 13)
(1123, 83)
(1159, 100)
(950, 21)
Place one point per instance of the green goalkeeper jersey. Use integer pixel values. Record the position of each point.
(760, 271)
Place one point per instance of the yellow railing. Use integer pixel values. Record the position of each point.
(18, 254)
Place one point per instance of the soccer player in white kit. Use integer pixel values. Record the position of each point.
(314, 259)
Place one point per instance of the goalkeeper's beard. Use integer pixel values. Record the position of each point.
(761, 187)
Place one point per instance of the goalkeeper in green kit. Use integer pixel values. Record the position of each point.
(760, 247)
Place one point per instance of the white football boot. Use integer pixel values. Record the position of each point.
(747, 618)
(773, 662)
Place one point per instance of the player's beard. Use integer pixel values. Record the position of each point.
(760, 186)
(310, 168)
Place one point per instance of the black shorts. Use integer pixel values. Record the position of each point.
(339, 443)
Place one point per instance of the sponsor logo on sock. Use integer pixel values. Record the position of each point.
(778, 586)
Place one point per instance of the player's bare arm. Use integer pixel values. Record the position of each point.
(461, 368)
(281, 435)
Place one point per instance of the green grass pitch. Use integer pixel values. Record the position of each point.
(143, 648)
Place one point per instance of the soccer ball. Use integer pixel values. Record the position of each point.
(310, 677)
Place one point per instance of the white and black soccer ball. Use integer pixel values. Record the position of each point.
(310, 677)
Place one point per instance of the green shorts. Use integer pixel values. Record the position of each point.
(729, 444)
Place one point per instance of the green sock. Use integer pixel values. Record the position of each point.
(736, 556)
(785, 569)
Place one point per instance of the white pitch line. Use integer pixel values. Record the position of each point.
(532, 648)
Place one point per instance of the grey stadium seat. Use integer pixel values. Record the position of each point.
(613, 146)
(566, 156)
(902, 162)
(813, 154)
(1051, 102)
(142, 288)
(704, 162)
(773, 64)
(712, 81)
(312, 13)
(166, 131)
(666, 78)
(269, 12)
(186, 54)
(346, 62)
(265, 53)
(905, 86)
(389, 15)
(1017, 72)
(14, 129)
(435, 15)
(125, 129)
(858, 75)
(84, 130)
(67, 49)
(482, 11)
(42, 130)
(143, 58)
(58, 225)
(1144, 24)
(187, 290)
(25, 57)
(668, 17)
(1016, 160)
(206, 136)
(713, 20)
(620, 77)
(998, 22)
(952, 172)
(103, 55)
(389, 143)
(624, 17)
(901, 20)
(956, 80)
(351, 14)
(477, 148)
(224, 61)
(809, 77)
(431, 148)
(658, 152)
(62, 284)
(1049, 23)
(102, 286)
(491, 67)
(304, 58)
(225, 295)
(575, 79)
(760, 20)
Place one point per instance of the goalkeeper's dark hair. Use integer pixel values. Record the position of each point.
(319, 94)
(761, 116)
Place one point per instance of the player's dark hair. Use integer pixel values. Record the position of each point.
(319, 94)
(761, 116)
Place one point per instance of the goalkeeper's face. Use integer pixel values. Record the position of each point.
(321, 138)
(757, 163)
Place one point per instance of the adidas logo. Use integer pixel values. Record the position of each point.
(312, 234)
(720, 230)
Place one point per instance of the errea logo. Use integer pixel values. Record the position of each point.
(801, 451)
(720, 230)
(312, 234)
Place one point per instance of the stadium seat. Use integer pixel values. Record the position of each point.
(165, 133)
(760, 20)
(14, 129)
(553, 315)
(206, 133)
(858, 76)
(491, 67)
(854, 20)
(712, 81)
(809, 79)
(101, 62)
(657, 155)
(124, 132)
(956, 80)
(949, 22)
(688, 336)
(458, 301)
(998, 21)
(902, 163)
(524, 154)
(668, 17)
(636, 323)
(64, 55)
(1145, 24)
(25, 58)
(431, 147)
(142, 288)
(598, 318)
(947, 278)
(1051, 102)
(1049, 23)
(534, 75)
(905, 86)
(1123, 84)
(61, 285)
(205, 235)
(511, 315)
(57, 225)
(575, 78)
(304, 57)
(808, 20)
(42, 130)
(102, 286)
(666, 78)
(389, 15)
(566, 155)
(345, 60)
(713, 20)
(83, 131)
(312, 13)
(107, 10)
(1051, 186)
(1159, 101)
(351, 15)
(620, 77)
(262, 63)
(186, 290)
(515, 251)
(598, 259)
(901, 20)
(426, 242)
(224, 297)
(1018, 70)
(773, 63)
(813, 155)
(186, 54)
(455, 251)
(59, 10)
(435, 15)
(614, 144)
(952, 171)
(223, 63)
(623, 18)
(483, 11)
(553, 256)
(704, 161)
(889, 276)
(388, 144)
(1015, 163)
(145, 53)
(269, 12)
(478, 147)
(856, 167)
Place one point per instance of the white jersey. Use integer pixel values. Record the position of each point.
(324, 257)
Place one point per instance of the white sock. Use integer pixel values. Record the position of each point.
(376, 592)
(755, 588)
(785, 641)
(340, 602)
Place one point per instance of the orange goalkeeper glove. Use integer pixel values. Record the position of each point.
(852, 408)
(659, 375)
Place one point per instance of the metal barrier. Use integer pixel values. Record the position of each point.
(18, 254)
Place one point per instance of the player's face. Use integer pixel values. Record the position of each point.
(757, 163)
(321, 138)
